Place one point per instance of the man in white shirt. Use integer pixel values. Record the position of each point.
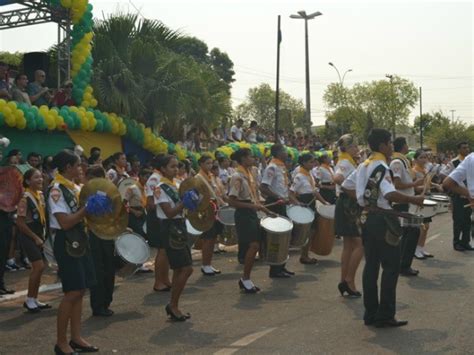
(236, 130)
(456, 183)
(375, 191)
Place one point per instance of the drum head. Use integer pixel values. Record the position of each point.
(124, 185)
(132, 248)
(300, 214)
(225, 215)
(429, 203)
(326, 211)
(277, 224)
(439, 198)
(191, 230)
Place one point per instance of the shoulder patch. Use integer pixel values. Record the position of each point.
(55, 194)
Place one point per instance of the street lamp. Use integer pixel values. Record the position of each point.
(341, 80)
(303, 16)
(392, 103)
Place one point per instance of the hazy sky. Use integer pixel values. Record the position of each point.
(428, 42)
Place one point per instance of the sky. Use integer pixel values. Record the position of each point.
(427, 42)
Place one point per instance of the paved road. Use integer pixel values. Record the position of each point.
(304, 314)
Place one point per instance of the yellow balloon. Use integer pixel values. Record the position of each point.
(94, 103)
(21, 124)
(66, 3)
(2, 102)
(10, 121)
(7, 111)
(12, 105)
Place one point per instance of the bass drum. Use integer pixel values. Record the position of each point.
(277, 239)
(323, 239)
(302, 218)
(131, 252)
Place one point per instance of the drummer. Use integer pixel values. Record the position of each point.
(244, 197)
(275, 186)
(76, 273)
(118, 172)
(136, 200)
(172, 237)
(217, 197)
(304, 187)
(162, 268)
(347, 215)
(325, 179)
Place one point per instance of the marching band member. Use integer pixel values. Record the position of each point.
(275, 186)
(136, 200)
(405, 181)
(118, 172)
(70, 241)
(346, 216)
(325, 179)
(209, 237)
(244, 197)
(461, 215)
(304, 187)
(375, 192)
(169, 209)
(103, 255)
(31, 224)
(162, 267)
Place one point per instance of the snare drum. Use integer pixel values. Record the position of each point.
(277, 240)
(131, 251)
(442, 201)
(326, 211)
(225, 215)
(302, 218)
(427, 211)
(412, 221)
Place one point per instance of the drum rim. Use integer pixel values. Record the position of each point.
(120, 254)
(306, 209)
(271, 231)
(190, 226)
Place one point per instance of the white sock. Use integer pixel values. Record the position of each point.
(207, 269)
(38, 303)
(30, 302)
(214, 269)
(248, 283)
(11, 261)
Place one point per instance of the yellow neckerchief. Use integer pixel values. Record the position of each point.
(306, 173)
(375, 156)
(282, 166)
(167, 181)
(67, 183)
(419, 169)
(251, 182)
(407, 163)
(39, 204)
(142, 193)
(460, 157)
(347, 156)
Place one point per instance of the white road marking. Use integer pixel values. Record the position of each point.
(433, 237)
(18, 294)
(247, 340)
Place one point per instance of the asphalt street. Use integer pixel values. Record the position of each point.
(304, 314)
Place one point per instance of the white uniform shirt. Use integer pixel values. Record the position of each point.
(57, 204)
(301, 185)
(400, 171)
(349, 183)
(162, 197)
(237, 132)
(224, 175)
(152, 182)
(114, 176)
(465, 172)
(275, 178)
(345, 168)
(323, 175)
(386, 185)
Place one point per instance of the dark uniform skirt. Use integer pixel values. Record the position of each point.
(247, 225)
(217, 229)
(75, 273)
(153, 229)
(346, 217)
(178, 258)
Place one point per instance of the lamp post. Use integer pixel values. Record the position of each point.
(341, 86)
(341, 80)
(392, 102)
(303, 16)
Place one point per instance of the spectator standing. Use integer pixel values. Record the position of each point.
(34, 159)
(4, 84)
(18, 91)
(236, 131)
(216, 139)
(252, 132)
(39, 94)
(64, 96)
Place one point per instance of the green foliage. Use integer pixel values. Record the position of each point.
(144, 70)
(260, 106)
(13, 59)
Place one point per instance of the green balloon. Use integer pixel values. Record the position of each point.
(2, 119)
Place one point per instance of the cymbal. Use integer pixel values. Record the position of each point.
(110, 225)
(11, 188)
(200, 186)
(202, 220)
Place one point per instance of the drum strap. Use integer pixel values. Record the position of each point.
(372, 189)
(173, 195)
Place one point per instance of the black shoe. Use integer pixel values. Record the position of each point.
(459, 247)
(103, 313)
(291, 273)
(344, 288)
(83, 349)
(468, 247)
(254, 289)
(44, 306)
(166, 289)
(32, 309)
(175, 317)
(279, 275)
(6, 291)
(409, 272)
(58, 351)
(390, 323)
(369, 322)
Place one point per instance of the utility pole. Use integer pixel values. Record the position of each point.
(421, 121)
(452, 115)
(390, 77)
(277, 96)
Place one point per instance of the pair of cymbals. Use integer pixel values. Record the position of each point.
(198, 185)
(110, 225)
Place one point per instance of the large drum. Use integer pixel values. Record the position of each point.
(302, 218)
(442, 201)
(277, 240)
(225, 215)
(131, 251)
(323, 240)
(428, 210)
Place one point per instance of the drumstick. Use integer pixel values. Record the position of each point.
(469, 205)
(279, 202)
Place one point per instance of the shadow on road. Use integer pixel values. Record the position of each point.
(442, 282)
(182, 333)
(92, 324)
(24, 317)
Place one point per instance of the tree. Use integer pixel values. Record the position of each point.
(430, 122)
(260, 106)
(13, 59)
(389, 104)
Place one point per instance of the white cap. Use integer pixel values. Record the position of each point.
(4, 142)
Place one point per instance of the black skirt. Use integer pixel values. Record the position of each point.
(217, 229)
(178, 258)
(346, 217)
(75, 273)
(153, 229)
(328, 195)
(247, 225)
